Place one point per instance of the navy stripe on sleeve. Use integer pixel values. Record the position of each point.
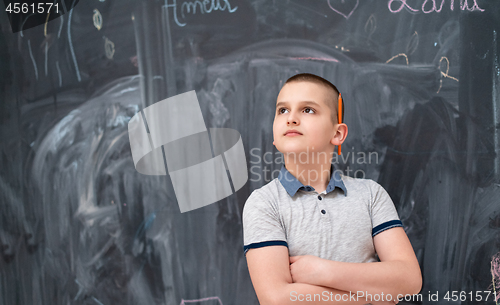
(386, 225)
(264, 244)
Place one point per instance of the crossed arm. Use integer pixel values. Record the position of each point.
(280, 279)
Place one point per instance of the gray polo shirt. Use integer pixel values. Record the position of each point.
(338, 224)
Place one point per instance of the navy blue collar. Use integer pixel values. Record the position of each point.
(292, 185)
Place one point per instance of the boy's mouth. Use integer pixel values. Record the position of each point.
(292, 132)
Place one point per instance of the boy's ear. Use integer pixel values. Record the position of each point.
(340, 135)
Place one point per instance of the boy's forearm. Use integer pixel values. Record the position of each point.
(301, 293)
(394, 277)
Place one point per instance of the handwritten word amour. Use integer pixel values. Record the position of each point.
(204, 6)
(429, 6)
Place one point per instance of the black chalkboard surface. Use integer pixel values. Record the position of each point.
(79, 224)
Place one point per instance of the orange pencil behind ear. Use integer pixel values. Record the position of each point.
(340, 115)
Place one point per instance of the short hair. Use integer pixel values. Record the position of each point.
(308, 77)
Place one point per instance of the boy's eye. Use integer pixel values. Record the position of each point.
(306, 110)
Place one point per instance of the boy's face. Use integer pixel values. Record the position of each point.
(303, 106)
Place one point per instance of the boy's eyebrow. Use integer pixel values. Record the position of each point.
(300, 103)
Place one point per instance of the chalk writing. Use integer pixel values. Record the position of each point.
(97, 301)
(205, 7)
(70, 41)
(97, 19)
(46, 57)
(22, 25)
(135, 61)
(396, 56)
(60, 26)
(314, 58)
(495, 275)
(33, 59)
(45, 26)
(445, 73)
(342, 9)
(371, 25)
(109, 48)
(183, 302)
(46, 41)
(412, 44)
(59, 73)
(429, 6)
(342, 48)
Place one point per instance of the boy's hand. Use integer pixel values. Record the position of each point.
(307, 269)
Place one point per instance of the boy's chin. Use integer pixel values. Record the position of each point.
(301, 150)
(293, 150)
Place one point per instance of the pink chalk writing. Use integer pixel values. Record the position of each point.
(495, 274)
(429, 6)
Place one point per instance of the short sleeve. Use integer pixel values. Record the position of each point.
(383, 212)
(261, 223)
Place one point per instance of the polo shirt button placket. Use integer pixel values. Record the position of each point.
(322, 210)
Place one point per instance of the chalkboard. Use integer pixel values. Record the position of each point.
(79, 224)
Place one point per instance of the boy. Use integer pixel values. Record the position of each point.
(312, 235)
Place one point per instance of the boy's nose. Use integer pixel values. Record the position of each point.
(292, 119)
